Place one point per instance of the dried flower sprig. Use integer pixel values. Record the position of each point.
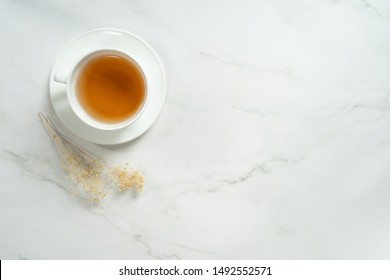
(91, 176)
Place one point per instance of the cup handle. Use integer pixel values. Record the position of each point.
(60, 78)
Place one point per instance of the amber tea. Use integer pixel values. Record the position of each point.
(110, 88)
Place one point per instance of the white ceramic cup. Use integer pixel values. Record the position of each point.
(71, 78)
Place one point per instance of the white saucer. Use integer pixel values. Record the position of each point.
(117, 40)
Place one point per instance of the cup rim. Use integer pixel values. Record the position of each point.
(79, 110)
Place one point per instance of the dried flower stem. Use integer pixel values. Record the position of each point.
(90, 173)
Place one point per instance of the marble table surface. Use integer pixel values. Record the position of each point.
(273, 143)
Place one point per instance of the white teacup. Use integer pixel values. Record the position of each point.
(70, 80)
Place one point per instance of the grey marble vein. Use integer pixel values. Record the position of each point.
(246, 66)
(264, 167)
(374, 9)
